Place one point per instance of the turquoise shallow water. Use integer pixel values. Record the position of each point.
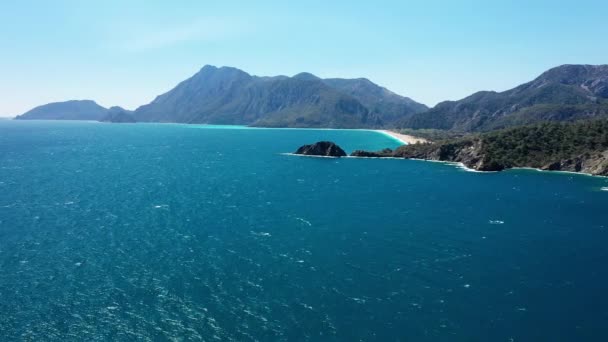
(174, 232)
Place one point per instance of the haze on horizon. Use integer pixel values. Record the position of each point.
(126, 54)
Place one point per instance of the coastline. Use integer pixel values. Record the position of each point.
(403, 138)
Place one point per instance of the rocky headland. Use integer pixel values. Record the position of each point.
(574, 147)
(321, 148)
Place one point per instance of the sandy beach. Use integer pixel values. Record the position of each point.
(406, 139)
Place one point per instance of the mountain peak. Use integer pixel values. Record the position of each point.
(115, 109)
(224, 71)
(228, 95)
(306, 76)
(574, 72)
(208, 67)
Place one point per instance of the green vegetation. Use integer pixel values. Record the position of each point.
(542, 144)
(581, 146)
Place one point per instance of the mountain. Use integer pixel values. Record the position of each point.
(564, 93)
(118, 115)
(228, 95)
(379, 100)
(68, 110)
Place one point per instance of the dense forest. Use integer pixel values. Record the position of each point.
(543, 144)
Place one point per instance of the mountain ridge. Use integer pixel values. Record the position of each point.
(565, 93)
(66, 110)
(228, 95)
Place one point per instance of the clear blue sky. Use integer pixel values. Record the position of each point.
(127, 52)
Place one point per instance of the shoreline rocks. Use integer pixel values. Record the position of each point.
(387, 152)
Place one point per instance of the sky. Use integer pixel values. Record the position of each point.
(128, 52)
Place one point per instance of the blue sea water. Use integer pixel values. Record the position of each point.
(155, 232)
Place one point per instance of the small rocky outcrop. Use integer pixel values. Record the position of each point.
(322, 148)
(387, 152)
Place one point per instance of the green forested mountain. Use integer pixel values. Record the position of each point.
(231, 96)
(577, 147)
(565, 93)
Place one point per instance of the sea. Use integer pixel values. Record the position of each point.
(169, 232)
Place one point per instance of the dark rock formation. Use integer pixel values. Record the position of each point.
(322, 148)
(595, 164)
(387, 152)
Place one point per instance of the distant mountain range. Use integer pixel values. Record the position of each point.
(68, 110)
(77, 110)
(564, 93)
(118, 115)
(231, 96)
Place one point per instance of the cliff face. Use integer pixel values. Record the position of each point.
(468, 152)
(476, 153)
(472, 154)
(596, 164)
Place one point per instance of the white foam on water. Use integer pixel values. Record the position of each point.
(558, 171)
(306, 306)
(260, 233)
(496, 222)
(304, 221)
(358, 300)
(305, 155)
(604, 188)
